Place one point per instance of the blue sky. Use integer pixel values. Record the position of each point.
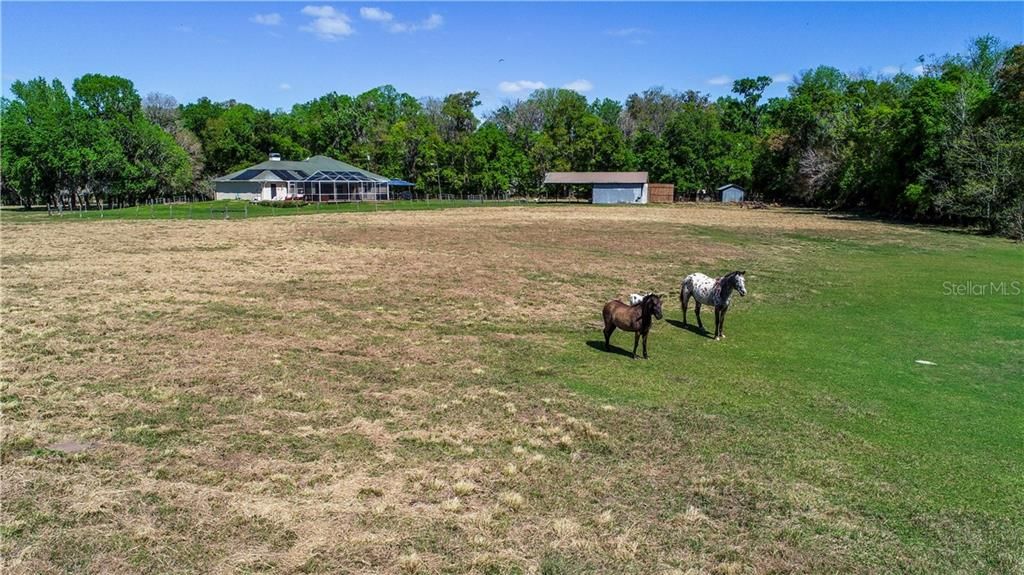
(274, 54)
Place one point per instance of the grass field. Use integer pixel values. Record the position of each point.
(427, 392)
(233, 209)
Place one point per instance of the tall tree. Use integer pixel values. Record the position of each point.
(162, 110)
(36, 140)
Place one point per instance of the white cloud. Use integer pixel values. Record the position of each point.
(285, 87)
(375, 14)
(520, 85)
(319, 11)
(720, 80)
(890, 70)
(431, 22)
(783, 78)
(919, 69)
(272, 19)
(628, 32)
(328, 23)
(580, 85)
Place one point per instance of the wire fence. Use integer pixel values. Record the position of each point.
(244, 209)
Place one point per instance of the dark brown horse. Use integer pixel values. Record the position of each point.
(636, 318)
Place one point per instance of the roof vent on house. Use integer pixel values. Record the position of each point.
(275, 157)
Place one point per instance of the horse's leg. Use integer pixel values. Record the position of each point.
(645, 345)
(718, 319)
(608, 329)
(684, 300)
(636, 342)
(696, 310)
(721, 327)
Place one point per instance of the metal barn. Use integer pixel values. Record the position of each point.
(606, 187)
(731, 193)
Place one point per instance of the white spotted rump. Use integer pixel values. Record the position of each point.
(635, 298)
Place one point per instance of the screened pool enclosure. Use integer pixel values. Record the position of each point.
(341, 186)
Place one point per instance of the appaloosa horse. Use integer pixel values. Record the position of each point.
(635, 298)
(636, 318)
(714, 292)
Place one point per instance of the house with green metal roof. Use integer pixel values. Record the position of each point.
(316, 179)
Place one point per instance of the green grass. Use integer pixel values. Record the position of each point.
(817, 380)
(234, 209)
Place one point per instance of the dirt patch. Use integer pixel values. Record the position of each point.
(70, 446)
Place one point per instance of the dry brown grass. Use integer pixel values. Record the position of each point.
(335, 394)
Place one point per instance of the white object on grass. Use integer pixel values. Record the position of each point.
(924, 362)
(635, 298)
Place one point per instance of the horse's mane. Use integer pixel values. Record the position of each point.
(647, 309)
(724, 280)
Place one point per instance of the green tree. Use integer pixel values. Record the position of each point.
(705, 155)
(496, 166)
(36, 141)
(652, 156)
(742, 114)
(607, 110)
(108, 97)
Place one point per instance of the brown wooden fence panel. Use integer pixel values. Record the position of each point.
(660, 193)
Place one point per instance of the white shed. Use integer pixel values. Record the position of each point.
(731, 193)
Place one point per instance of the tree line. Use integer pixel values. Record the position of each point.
(944, 145)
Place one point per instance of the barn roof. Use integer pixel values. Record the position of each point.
(727, 186)
(595, 178)
(287, 170)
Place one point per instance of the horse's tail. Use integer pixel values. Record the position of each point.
(685, 290)
(606, 314)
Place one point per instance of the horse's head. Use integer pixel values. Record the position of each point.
(741, 286)
(652, 303)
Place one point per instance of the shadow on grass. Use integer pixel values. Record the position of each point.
(692, 328)
(599, 346)
(882, 218)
